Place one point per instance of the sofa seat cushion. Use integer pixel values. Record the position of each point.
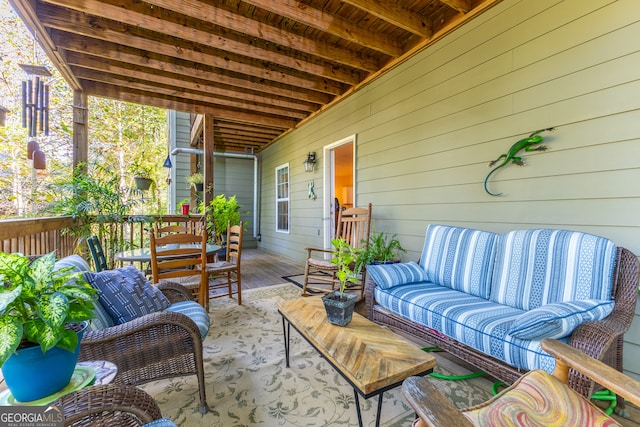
(473, 321)
(543, 266)
(459, 258)
(195, 312)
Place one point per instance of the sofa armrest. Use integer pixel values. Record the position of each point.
(369, 297)
(568, 357)
(432, 407)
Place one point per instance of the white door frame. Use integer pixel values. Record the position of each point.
(328, 184)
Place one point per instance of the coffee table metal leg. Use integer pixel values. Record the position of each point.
(379, 409)
(355, 393)
(287, 333)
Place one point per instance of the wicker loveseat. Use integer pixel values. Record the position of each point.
(490, 299)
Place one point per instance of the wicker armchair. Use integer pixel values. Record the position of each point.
(155, 346)
(109, 405)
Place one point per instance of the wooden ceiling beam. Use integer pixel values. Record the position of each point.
(462, 6)
(176, 91)
(335, 25)
(393, 12)
(189, 70)
(233, 21)
(99, 65)
(54, 17)
(129, 14)
(182, 104)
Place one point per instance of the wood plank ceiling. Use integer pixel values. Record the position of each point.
(260, 67)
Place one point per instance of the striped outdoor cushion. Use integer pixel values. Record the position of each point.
(559, 319)
(543, 266)
(459, 258)
(471, 320)
(388, 275)
(76, 261)
(194, 311)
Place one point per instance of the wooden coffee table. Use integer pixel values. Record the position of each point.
(370, 357)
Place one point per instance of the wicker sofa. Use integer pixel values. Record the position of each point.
(490, 299)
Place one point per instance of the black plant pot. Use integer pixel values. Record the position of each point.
(339, 309)
(199, 186)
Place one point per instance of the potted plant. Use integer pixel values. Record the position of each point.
(338, 304)
(219, 213)
(142, 175)
(381, 249)
(39, 307)
(196, 180)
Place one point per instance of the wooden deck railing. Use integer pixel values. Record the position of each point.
(36, 236)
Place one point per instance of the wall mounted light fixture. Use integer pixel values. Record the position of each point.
(310, 163)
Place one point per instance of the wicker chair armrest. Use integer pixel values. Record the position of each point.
(109, 404)
(433, 408)
(147, 340)
(175, 292)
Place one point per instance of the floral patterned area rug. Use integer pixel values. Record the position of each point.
(248, 384)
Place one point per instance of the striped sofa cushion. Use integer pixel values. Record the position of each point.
(459, 258)
(543, 266)
(473, 321)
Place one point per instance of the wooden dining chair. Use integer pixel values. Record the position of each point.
(181, 258)
(229, 269)
(354, 226)
(168, 229)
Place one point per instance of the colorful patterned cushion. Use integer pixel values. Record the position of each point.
(459, 258)
(543, 266)
(126, 294)
(559, 319)
(195, 312)
(538, 399)
(388, 275)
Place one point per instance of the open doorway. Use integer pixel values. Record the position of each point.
(339, 182)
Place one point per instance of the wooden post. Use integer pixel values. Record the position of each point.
(80, 129)
(209, 146)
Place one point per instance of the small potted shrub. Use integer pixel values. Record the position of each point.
(381, 249)
(338, 304)
(220, 211)
(41, 310)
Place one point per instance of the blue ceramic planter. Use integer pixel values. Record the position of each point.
(32, 375)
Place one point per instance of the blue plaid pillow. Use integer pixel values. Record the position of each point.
(126, 293)
(389, 275)
(558, 320)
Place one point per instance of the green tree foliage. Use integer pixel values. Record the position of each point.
(120, 135)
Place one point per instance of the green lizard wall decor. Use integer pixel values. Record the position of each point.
(524, 144)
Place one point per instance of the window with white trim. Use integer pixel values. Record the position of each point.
(282, 198)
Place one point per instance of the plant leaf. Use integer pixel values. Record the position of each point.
(69, 340)
(11, 333)
(52, 309)
(7, 297)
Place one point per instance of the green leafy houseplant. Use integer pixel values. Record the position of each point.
(381, 248)
(220, 211)
(36, 303)
(344, 257)
(196, 180)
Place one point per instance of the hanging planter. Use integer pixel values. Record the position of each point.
(142, 183)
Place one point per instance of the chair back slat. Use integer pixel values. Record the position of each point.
(354, 225)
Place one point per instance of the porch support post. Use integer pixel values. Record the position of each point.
(80, 129)
(209, 146)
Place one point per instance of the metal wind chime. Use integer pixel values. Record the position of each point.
(35, 111)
